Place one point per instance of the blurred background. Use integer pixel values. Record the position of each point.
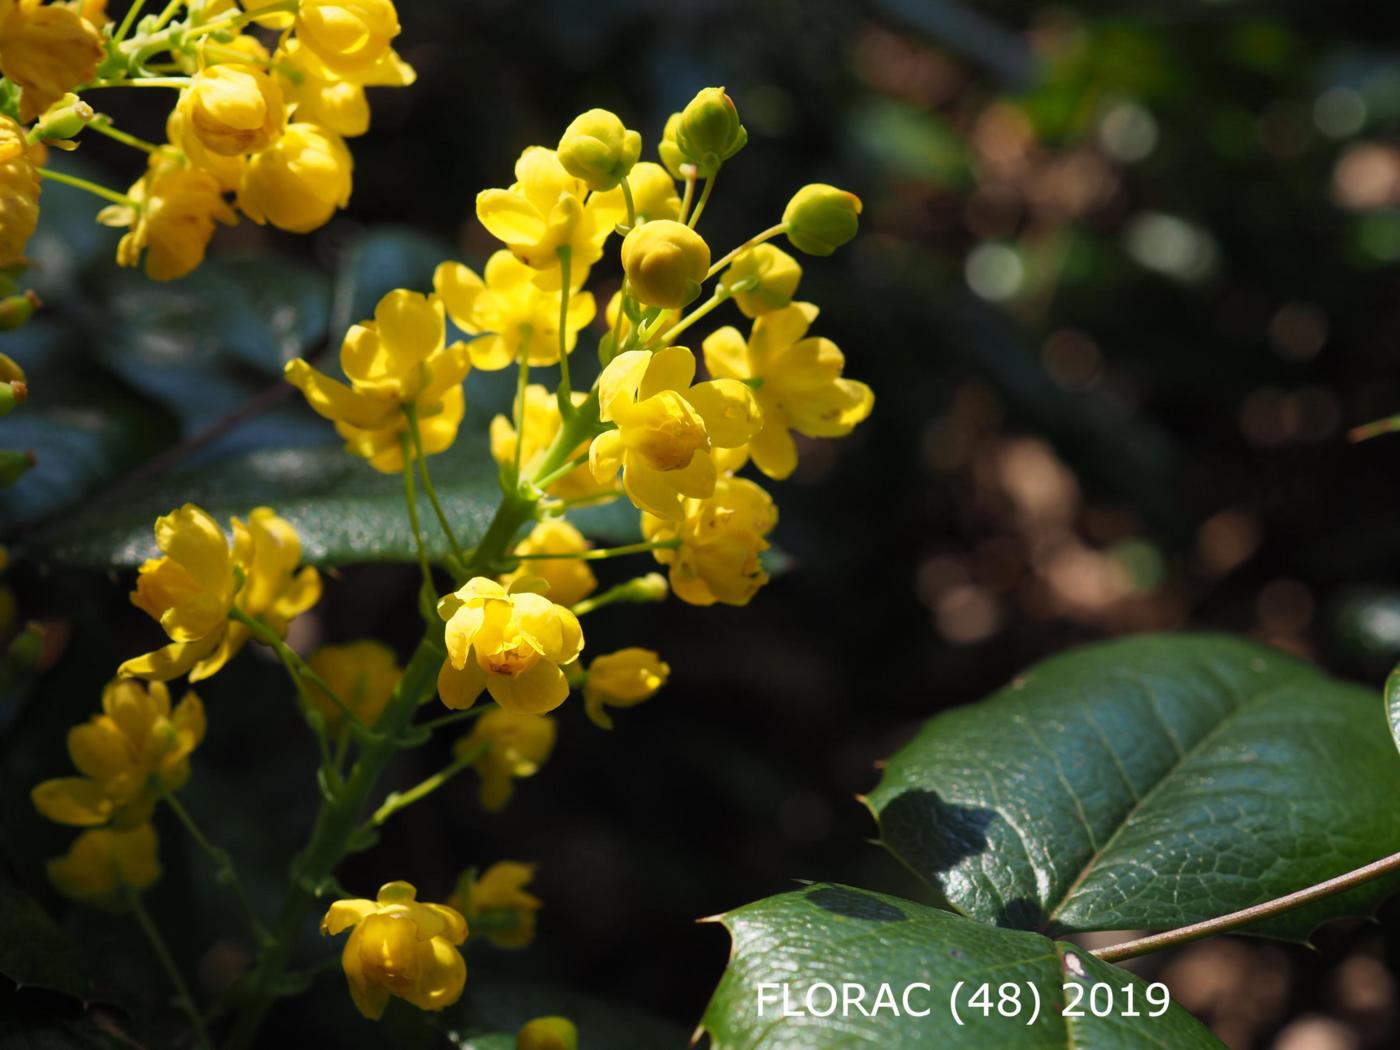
(1125, 281)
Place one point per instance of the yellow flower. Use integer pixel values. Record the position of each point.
(399, 947)
(721, 539)
(509, 643)
(46, 50)
(653, 194)
(194, 587)
(298, 183)
(598, 149)
(363, 674)
(622, 679)
(516, 315)
(497, 906)
(319, 95)
(666, 427)
(517, 746)
(544, 211)
(233, 109)
(542, 422)
(173, 218)
(135, 739)
(349, 36)
(821, 218)
(227, 171)
(761, 279)
(798, 380)
(665, 262)
(102, 863)
(570, 579)
(400, 358)
(547, 1033)
(19, 193)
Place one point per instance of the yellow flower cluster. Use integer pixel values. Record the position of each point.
(264, 126)
(207, 596)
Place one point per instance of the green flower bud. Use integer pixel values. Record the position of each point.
(761, 279)
(665, 263)
(26, 650)
(65, 119)
(547, 1033)
(598, 149)
(821, 218)
(671, 155)
(16, 310)
(708, 132)
(14, 465)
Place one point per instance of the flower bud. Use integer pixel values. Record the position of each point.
(19, 192)
(708, 132)
(670, 153)
(821, 218)
(761, 279)
(65, 119)
(622, 679)
(598, 149)
(233, 109)
(547, 1033)
(665, 263)
(15, 312)
(14, 465)
(299, 183)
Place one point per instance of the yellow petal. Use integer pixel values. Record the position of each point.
(670, 368)
(72, 800)
(334, 400)
(730, 412)
(541, 688)
(460, 688)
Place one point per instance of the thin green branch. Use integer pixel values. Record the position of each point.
(411, 502)
(90, 187)
(756, 239)
(694, 220)
(401, 800)
(434, 724)
(565, 395)
(411, 411)
(167, 962)
(222, 861)
(599, 555)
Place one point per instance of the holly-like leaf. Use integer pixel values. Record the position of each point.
(36, 953)
(1146, 784)
(344, 510)
(83, 425)
(828, 967)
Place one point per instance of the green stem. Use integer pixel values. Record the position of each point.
(411, 411)
(331, 836)
(149, 82)
(402, 800)
(766, 235)
(433, 725)
(522, 381)
(582, 426)
(299, 670)
(1245, 916)
(182, 991)
(627, 197)
(171, 10)
(694, 220)
(411, 502)
(606, 552)
(690, 179)
(565, 394)
(90, 187)
(128, 21)
(103, 126)
(720, 296)
(222, 861)
(566, 469)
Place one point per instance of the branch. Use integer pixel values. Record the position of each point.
(1245, 916)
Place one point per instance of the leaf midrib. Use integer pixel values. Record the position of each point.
(1243, 704)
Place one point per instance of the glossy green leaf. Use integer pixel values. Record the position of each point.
(343, 509)
(379, 262)
(84, 426)
(36, 953)
(829, 967)
(1145, 784)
